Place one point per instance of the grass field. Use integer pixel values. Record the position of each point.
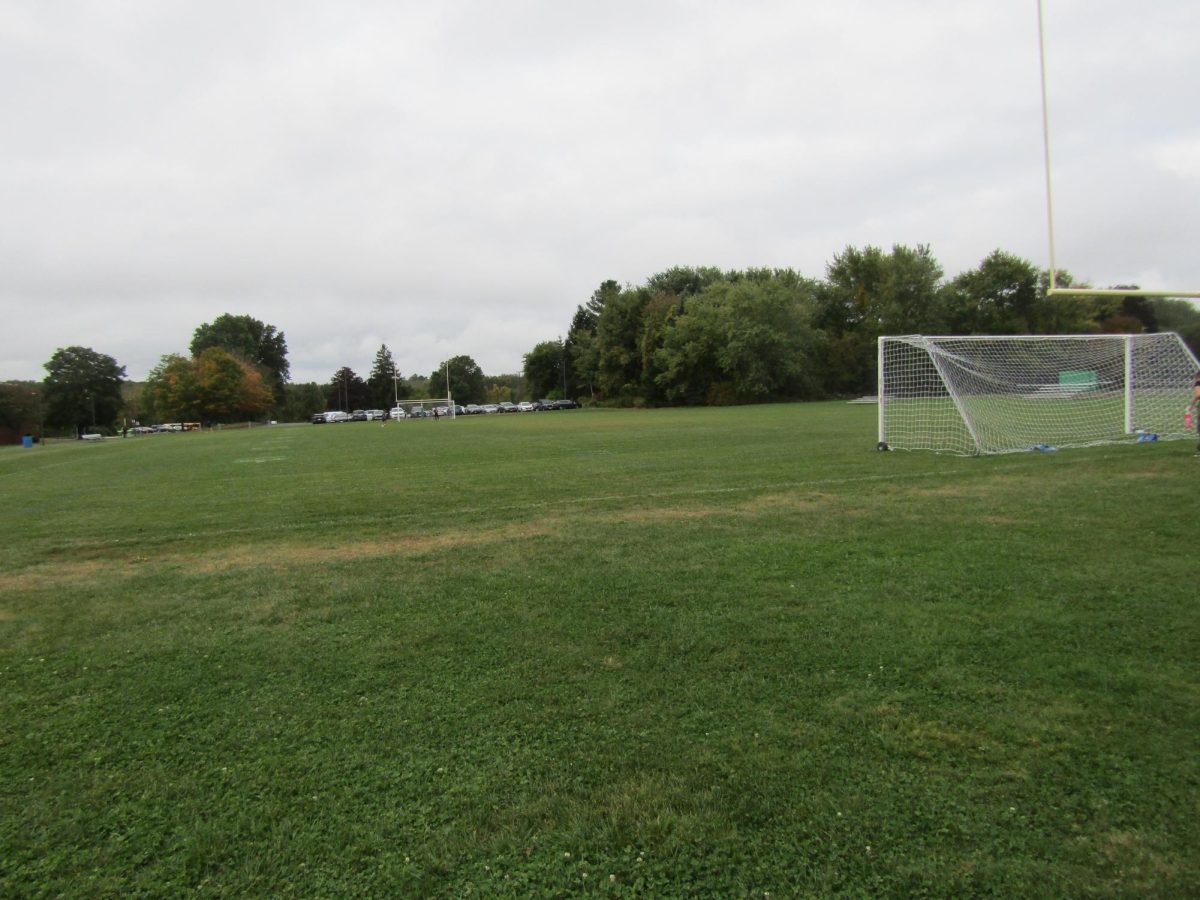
(717, 651)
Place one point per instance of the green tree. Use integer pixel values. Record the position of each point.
(384, 382)
(583, 362)
(251, 340)
(170, 394)
(21, 407)
(228, 388)
(419, 386)
(1001, 296)
(215, 386)
(301, 401)
(682, 282)
(658, 319)
(466, 380)
(619, 333)
(868, 293)
(544, 369)
(347, 391)
(1180, 316)
(747, 339)
(498, 392)
(82, 388)
(581, 345)
(1058, 314)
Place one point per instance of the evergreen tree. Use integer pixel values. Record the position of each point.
(384, 382)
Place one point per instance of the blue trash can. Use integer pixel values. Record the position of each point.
(27, 440)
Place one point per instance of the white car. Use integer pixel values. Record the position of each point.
(376, 415)
(397, 413)
(525, 406)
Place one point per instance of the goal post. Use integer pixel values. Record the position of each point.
(424, 408)
(977, 394)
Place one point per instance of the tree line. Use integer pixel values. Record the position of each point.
(701, 335)
(687, 336)
(236, 370)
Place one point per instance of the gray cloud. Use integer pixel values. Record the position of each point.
(456, 177)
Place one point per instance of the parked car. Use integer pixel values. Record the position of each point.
(337, 416)
(566, 404)
(525, 406)
(417, 412)
(319, 419)
(473, 409)
(507, 406)
(490, 408)
(397, 413)
(376, 415)
(544, 404)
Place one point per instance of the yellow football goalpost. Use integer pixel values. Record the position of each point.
(1053, 288)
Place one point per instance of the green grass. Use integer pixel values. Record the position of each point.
(720, 651)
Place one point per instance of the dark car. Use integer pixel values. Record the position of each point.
(507, 406)
(319, 419)
(565, 404)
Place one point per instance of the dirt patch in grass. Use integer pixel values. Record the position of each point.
(289, 555)
(276, 555)
(280, 555)
(788, 502)
(658, 514)
(56, 573)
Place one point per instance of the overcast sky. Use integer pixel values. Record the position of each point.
(456, 177)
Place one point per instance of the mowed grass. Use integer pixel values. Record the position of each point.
(661, 653)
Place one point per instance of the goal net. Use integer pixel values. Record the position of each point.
(427, 408)
(1008, 393)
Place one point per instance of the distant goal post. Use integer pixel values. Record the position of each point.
(425, 408)
(982, 394)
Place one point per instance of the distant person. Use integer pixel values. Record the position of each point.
(1194, 408)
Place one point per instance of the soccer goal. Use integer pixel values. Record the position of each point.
(427, 408)
(1007, 393)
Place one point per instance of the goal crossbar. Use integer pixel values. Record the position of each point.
(1117, 292)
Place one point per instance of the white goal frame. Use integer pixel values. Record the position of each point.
(982, 394)
(428, 404)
